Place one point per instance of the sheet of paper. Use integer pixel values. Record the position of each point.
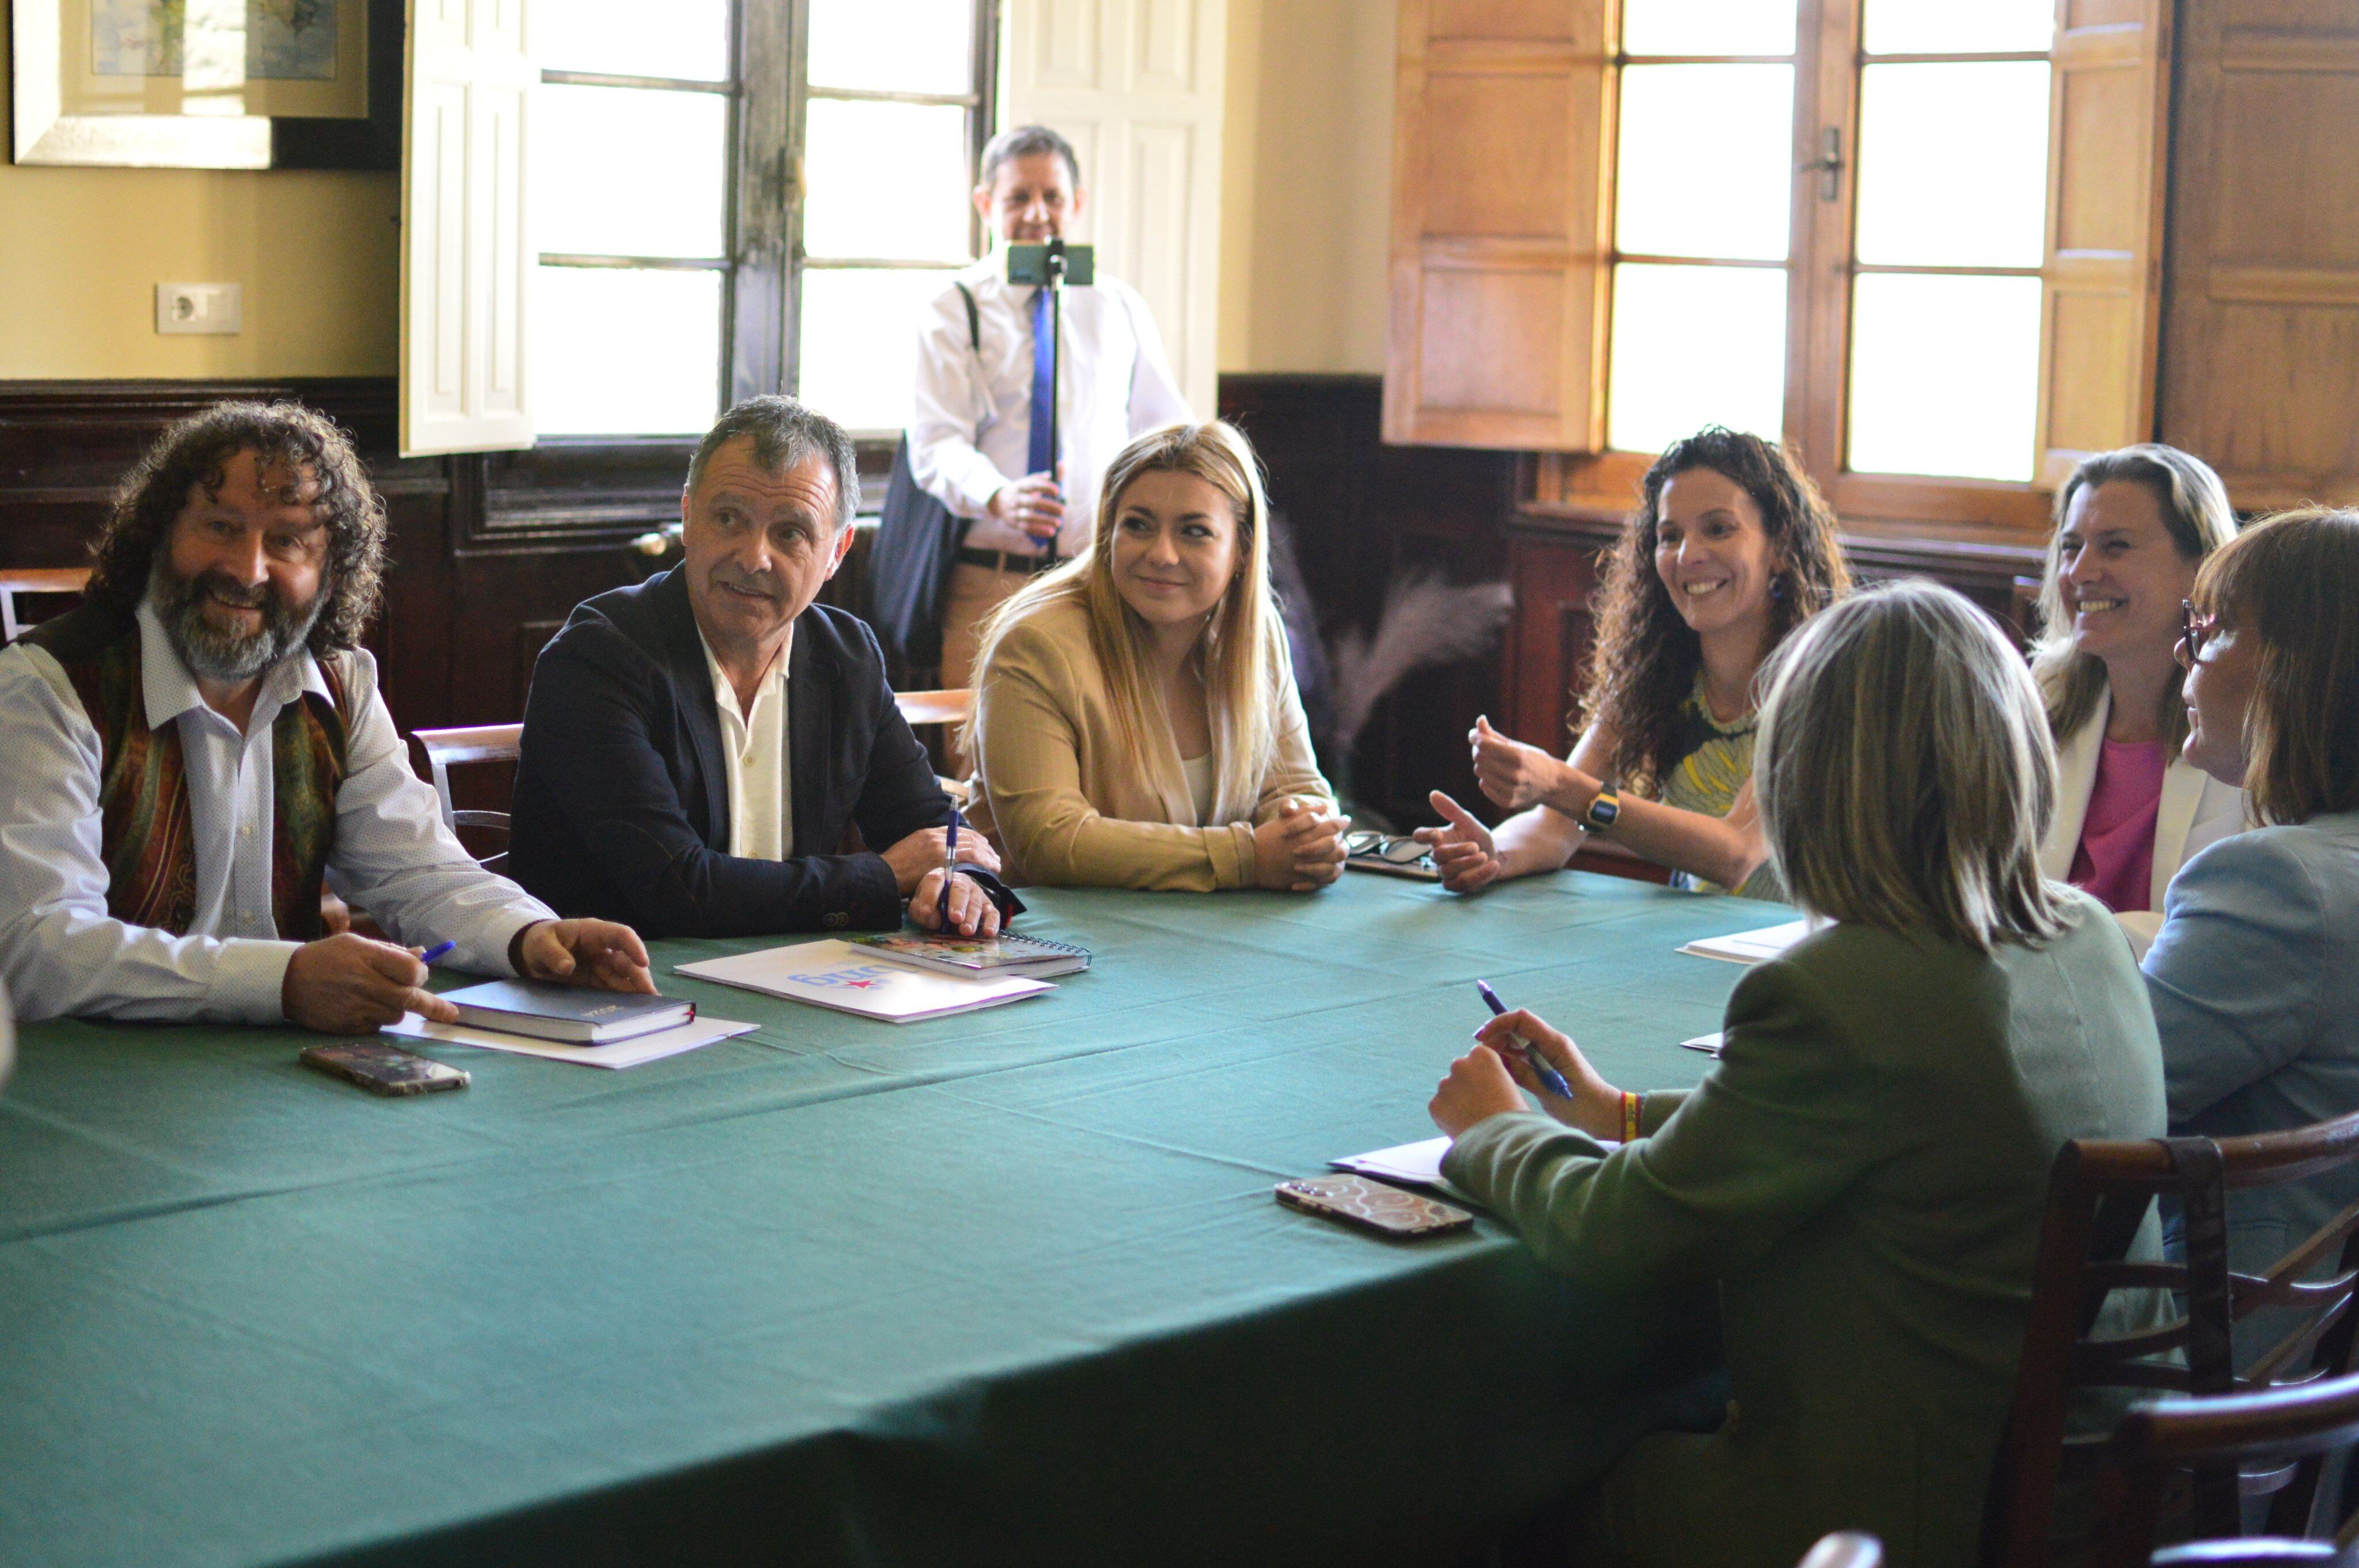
(1415, 1164)
(1752, 946)
(630, 1053)
(837, 975)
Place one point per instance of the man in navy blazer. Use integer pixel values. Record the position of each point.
(696, 748)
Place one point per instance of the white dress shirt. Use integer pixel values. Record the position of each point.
(973, 426)
(62, 952)
(753, 752)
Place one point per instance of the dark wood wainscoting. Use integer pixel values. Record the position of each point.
(487, 561)
(1360, 512)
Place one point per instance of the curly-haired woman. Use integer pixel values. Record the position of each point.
(1731, 548)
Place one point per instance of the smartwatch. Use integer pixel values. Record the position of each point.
(1602, 811)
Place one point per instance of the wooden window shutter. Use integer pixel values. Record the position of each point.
(1501, 193)
(465, 266)
(2107, 163)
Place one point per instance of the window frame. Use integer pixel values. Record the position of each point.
(584, 490)
(1822, 268)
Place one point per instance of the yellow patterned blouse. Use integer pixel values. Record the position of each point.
(1715, 761)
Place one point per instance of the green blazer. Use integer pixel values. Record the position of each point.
(1864, 1176)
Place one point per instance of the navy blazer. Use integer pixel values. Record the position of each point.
(622, 793)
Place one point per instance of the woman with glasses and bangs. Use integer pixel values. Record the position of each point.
(1860, 1179)
(2254, 974)
(1730, 549)
(2132, 527)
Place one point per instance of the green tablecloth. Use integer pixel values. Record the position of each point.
(1005, 1286)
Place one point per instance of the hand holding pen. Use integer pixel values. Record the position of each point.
(1550, 1079)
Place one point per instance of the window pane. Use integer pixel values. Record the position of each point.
(620, 171)
(893, 46)
(1952, 26)
(625, 353)
(1953, 165)
(1944, 375)
(1707, 26)
(1706, 161)
(860, 342)
(887, 180)
(1695, 346)
(629, 38)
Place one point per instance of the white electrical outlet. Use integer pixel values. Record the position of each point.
(200, 306)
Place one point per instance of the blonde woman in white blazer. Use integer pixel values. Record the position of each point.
(2132, 527)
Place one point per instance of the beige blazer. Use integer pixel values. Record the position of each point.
(1054, 790)
(2196, 812)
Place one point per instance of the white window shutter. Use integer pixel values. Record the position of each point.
(466, 267)
(1136, 85)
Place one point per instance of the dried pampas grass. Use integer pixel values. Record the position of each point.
(1426, 621)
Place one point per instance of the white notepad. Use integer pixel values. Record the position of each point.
(628, 1053)
(851, 979)
(1417, 1164)
(1753, 946)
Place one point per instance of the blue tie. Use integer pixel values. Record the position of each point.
(1039, 458)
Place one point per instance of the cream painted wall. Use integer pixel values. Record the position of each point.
(1306, 185)
(82, 249)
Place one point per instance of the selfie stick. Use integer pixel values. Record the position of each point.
(1054, 264)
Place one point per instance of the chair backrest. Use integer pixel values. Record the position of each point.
(2268, 1431)
(2098, 1195)
(951, 706)
(16, 581)
(447, 749)
(1845, 1549)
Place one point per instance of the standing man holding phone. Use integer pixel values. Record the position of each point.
(980, 440)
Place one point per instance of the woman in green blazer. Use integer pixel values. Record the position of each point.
(1863, 1173)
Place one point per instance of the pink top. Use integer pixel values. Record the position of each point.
(2115, 859)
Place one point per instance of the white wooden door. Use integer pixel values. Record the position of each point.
(465, 268)
(1136, 85)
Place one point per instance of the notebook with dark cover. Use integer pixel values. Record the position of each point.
(575, 1014)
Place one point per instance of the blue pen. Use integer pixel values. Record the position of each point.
(1550, 1079)
(440, 950)
(950, 867)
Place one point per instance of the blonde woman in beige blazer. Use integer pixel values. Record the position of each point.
(1136, 721)
(2132, 527)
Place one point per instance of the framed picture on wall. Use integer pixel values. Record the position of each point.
(207, 83)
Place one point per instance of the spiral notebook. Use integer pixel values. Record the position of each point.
(1034, 957)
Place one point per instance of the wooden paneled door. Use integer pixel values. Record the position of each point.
(1501, 189)
(2261, 363)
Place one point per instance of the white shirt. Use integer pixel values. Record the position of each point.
(973, 426)
(753, 749)
(62, 952)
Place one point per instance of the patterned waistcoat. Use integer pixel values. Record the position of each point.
(144, 833)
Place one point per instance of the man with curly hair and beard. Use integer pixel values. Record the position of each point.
(200, 745)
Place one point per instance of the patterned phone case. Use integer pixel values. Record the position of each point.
(1372, 1206)
(384, 1069)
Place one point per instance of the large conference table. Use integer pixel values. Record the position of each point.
(1005, 1287)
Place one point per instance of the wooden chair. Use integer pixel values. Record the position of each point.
(446, 749)
(2299, 1431)
(2098, 1193)
(949, 708)
(1845, 1549)
(34, 582)
(952, 707)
